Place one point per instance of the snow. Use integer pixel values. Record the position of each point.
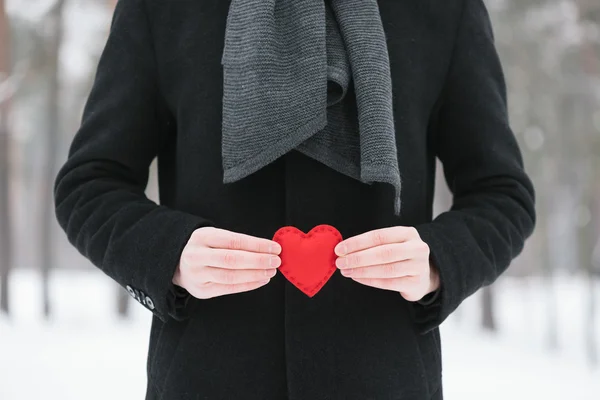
(86, 352)
(484, 367)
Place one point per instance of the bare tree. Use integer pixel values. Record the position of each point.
(52, 109)
(488, 319)
(589, 150)
(5, 222)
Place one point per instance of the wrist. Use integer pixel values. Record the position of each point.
(177, 277)
(434, 278)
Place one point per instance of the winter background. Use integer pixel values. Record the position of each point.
(68, 332)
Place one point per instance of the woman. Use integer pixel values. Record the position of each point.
(218, 91)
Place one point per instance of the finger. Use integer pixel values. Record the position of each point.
(383, 254)
(386, 271)
(404, 284)
(233, 276)
(378, 237)
(232, 259)
(219, 289)
(224, 239)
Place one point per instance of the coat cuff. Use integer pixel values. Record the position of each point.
(434, 308)
(157, 257)
(178, 302)
(430, 298)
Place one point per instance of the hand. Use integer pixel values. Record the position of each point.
(391, 258)
(216, 262)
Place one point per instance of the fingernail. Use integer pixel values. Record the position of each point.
(341, 249)
(340, 262)
(270, 272)
(274, 261)
(275, 248)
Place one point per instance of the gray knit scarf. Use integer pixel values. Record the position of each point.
(290, 69)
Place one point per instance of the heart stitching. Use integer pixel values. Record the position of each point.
(288, 271)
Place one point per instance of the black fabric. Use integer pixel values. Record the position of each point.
(430, 298)
(158, 92)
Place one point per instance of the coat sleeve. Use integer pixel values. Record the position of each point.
(99, 192)
(493, 212)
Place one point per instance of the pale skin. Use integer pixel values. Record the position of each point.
(217, 262)
(392, 258)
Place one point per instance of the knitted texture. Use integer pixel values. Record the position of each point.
(309, 75)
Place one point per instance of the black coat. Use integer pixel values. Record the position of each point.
(158, 92)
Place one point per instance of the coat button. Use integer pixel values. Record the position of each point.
(149, 303)
(131, 291)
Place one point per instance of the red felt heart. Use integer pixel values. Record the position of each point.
(308, 259)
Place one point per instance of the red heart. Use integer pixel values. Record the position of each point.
(308, 259)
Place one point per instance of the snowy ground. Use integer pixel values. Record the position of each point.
(86, 352)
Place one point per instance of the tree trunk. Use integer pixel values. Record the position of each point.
(488, 319)
(5, 221)
(53, 138)
(122, 302)
(589, 12)
(593, 337)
